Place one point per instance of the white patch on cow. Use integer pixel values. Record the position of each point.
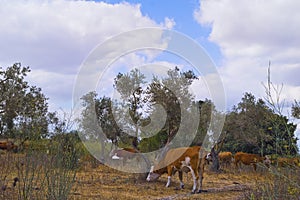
(115, 157)
(152, 176)
(267, 161)
(151, 171)
(208, 157)
(187, 161)
(194, 178)
(169, 181)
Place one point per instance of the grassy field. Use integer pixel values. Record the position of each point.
(42, 176)
(103, 182)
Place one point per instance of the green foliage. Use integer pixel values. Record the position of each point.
(296, 110)
(141, 103)
(130, 88)
(23, 108)
(105, 117)
(253, 127)
(173, 94)
(153, 143)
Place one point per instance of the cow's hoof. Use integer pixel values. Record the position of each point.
(200, 191)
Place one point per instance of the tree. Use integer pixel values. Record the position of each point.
(13, 89)
(209, 129)
(254, 127)
(106, 119)
(33, 120)
(284, 131)
(128, 126)
(205, 108)
(23, 108)
(130, 88)
(89, 120)
(173, 94)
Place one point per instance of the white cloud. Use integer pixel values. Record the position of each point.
(54, 37)
(249, 34)
(169, 23)
(56, 86)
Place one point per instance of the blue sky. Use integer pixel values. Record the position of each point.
(55, 37)
(182, 12)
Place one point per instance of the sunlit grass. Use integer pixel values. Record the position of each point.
(96, 181)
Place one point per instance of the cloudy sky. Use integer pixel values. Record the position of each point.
(55, 37)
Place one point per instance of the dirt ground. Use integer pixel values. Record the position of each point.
(102, 182)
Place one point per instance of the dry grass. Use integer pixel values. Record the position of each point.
(103, 182)
(95, 181)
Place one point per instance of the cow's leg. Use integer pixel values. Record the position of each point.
(124, 161)
(238, 165)
(169, 181)
(180, 178)
(254, 166)
(200, 179)
(195, 177)
(200, 175)
(180, 173)
(169, 168)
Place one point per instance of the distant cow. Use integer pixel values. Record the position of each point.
(124, 154)
(8, 145)
(185, 159)
(292, 162)
(226, 158)
(250, 159)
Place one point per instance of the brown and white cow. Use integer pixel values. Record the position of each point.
(250, 159)
(124, 154)
(185, 159)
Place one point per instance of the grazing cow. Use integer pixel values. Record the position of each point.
(8, 145)
(124, 154)
(183, 159)
(282, 162)
(250, 159)
(226, 158)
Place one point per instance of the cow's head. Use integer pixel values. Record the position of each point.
(208, 158)
(267, 161)
(152, 176)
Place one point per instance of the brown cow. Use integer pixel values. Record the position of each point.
(292, 162)
(124, 154)
(185, 159)
(226, 158)
(250, 159)
(7, 145)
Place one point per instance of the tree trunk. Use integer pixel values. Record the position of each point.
(215, 161)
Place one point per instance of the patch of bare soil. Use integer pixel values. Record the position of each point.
(103, 182)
